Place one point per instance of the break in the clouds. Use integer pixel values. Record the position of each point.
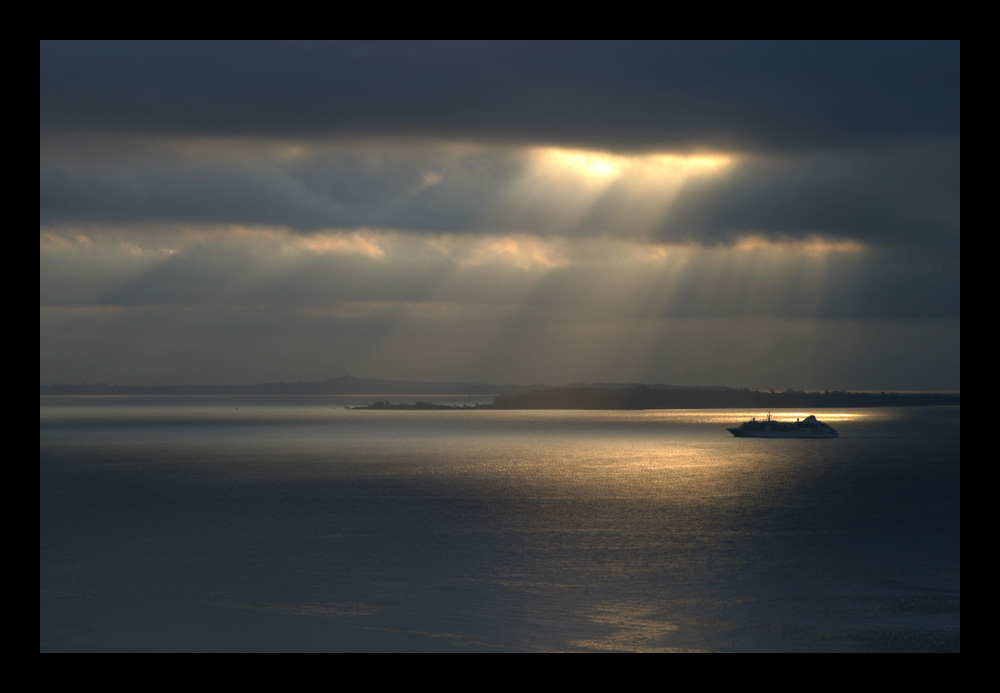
(753, 214)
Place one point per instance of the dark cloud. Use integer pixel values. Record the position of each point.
(902, 196)
(842, 139)
(905, 196)
(754, 95)
(342, 187)
(253, 211)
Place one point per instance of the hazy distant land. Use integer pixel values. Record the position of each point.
(589, 396)
(643, 397)
(344, 385)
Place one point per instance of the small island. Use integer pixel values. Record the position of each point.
(413, 406)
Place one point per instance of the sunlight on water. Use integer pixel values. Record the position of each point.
(636, 628)
(724, 417)
(218, 525)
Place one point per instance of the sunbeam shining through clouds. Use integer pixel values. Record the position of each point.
(499, 346)
(678, 236)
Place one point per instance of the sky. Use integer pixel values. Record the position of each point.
(768, 215)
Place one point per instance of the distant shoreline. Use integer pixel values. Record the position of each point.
(636, 399)
(346, 385)
(602, 396)
(650, 398)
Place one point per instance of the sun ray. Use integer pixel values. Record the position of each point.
(583, 192)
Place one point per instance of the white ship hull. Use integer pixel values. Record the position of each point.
(782, 434)
(809, 427)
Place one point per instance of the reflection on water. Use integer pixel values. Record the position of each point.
(298, 525)
(636, 628)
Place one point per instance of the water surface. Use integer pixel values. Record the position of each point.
(293, 524)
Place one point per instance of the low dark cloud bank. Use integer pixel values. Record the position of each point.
(848, 139)
(752, 95)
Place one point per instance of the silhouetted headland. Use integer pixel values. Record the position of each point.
(593, 396)
(645, 397)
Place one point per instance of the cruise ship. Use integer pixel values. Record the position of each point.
(809, 427)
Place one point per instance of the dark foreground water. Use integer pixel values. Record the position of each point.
(292, 524)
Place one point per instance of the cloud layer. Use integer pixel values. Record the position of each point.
(635, 95)
(679, 212)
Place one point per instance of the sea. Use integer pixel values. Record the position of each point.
(301, 524)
